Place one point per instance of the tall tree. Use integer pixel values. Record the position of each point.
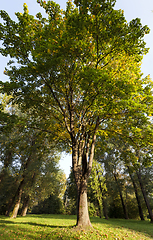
(136, 194)
(97, 184)
(76, 69)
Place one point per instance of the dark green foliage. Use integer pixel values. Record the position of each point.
(7, 189)
(115, 209)
(93, 209)
(51, 205)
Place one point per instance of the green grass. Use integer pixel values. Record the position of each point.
(62, 227)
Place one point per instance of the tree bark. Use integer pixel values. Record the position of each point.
(145, 195)
(25, 205)
(27, 198)
(18, 194)
(17, 205)
(80, 175)
(16, 199)
(82, 206)
(83, 145)
(122, 200)
(137, 196)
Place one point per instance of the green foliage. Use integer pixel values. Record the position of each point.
(97, 184)
(70, 207)
(51, 205)
(51, 51)
(97, 179)
(26, 157)
(93, 209)
(7, 189)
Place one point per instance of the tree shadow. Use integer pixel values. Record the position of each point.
(6, 222)
(48, 225)
(56, 216)
(3, 222)
(139, 226)
(144, 227)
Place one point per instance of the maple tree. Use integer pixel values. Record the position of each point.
(77, 71)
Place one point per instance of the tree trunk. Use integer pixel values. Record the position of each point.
(25, 206)
(145, 195)
(17, 205)
(80, 175)
(104, 207)
(103, 201)
(82, 157)
(137, 196)
(19, 191)
(122, 200)
(16, 199)
(82, 206)
(27, 197)
(9, 207)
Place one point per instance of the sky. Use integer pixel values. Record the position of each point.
(142, 9)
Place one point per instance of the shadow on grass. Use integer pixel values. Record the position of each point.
(139, 226)
(56, 216)
(145, 227)
(48, 225)
(4, 222)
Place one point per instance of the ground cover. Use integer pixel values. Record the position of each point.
(62, 227)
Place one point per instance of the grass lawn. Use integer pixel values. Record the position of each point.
(62, 227)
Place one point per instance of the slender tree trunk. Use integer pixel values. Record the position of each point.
(25, 205)
(10, 205)
(122, 200)
(103, 201)
(17, 196)
(17, 205)
(145, 195)
(16, 199)
(104, 207)
(27, 197)
(137, 196)
(100, 209)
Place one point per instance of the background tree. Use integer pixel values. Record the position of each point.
(70, 195)
(28, 158)
(124, 153)
(98, 186)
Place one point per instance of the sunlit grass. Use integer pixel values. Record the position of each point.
(62, 227)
